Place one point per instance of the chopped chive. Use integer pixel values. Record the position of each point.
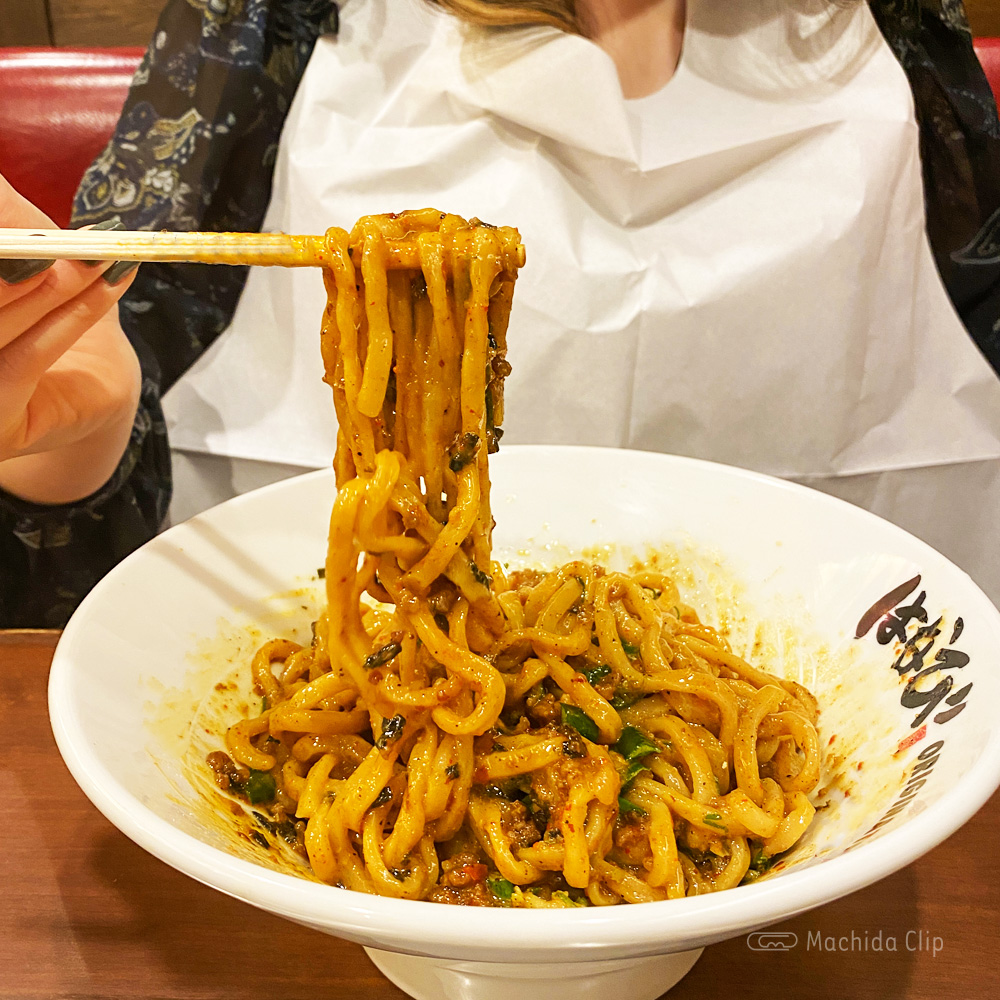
(382, 655)
(624, 699)
(631, 770)
(628, 806)
(463, 451)
(714, 819)
(580, 721)
(634, 743)
(392, 729)
(260, 787)
(595, 674)
(630, 650)
(501, 888)
(483, 579)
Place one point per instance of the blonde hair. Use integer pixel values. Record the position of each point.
(514, 13)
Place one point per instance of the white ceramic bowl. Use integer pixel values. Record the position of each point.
(783, 567)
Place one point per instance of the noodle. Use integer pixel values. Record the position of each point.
(454, 733)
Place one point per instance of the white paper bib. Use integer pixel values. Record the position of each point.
(734, 268)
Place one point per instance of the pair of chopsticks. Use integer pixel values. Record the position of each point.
(210, 248)
(261, 249)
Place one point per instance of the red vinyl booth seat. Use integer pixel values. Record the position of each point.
(988, 50)
(58, 108)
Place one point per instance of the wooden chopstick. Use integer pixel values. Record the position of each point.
(261, 249)
(209, 248)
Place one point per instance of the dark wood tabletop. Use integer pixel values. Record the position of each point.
(85, 913)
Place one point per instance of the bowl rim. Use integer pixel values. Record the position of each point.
(497, 934)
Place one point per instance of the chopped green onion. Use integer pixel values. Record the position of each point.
(501, 888)
(631, 770)
(493, 433)
(562, 897)
(392, 729)
(634, 743)
(482, 578)
(714, 819)
(630, 650)
(595, 674)
(260, 787)
(628, 806)
(383, 655)
(535, 695)
(580, 721)
(463, 451)
(625, 699)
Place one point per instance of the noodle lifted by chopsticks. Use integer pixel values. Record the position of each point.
(456, 734)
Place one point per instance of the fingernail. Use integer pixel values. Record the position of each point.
(13, 272)
(107, 224)
(119, 271)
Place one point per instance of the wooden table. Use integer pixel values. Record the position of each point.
(85, 913)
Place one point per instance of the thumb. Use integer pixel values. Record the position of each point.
(16, 212)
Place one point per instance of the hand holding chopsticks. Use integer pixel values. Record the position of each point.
(70, 380)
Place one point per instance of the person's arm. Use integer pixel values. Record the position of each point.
(69, 379)
(194, 149)
(81, 470)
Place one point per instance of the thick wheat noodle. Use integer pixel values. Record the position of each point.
(576, 736)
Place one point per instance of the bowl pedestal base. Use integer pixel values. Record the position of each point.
(443, 979)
